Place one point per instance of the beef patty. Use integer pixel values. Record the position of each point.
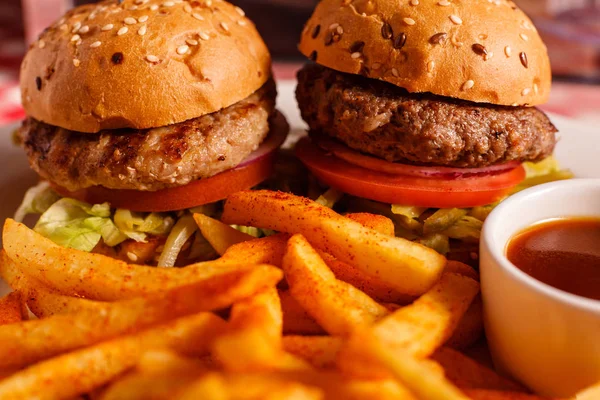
(150, 159)
(385, 121)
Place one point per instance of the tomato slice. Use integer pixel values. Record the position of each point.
(196, 193)
(404, 189)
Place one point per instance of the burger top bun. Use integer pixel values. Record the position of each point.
(477, 50)
(142, 64)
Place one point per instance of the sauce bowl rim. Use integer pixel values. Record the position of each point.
(498, 252)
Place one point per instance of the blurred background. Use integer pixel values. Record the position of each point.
(570, 28)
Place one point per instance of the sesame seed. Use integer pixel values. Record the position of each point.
(97, 43)
(187, 8)
(143, 18)
(240, 11)
(208, 3)
(168, 4)
(455, 42)
(183, 49)
(75, 38)
(333, 26)
(525, 92)
(356, 55)
(468, 85)
(130, 21)
(107, 27)
(84, 29)
(438, 38)
(198, 16)
(375, 66)
(443, 3)
(224, 26)
(400, 41)
(192, 42)
(123, 31)
(76, 27)
(64, 27)
(514, 104)
(203, 36)
(152, 59)
(77, 43)
(339, 30)
(386, 31)
(524, 37)
(430, 66)
(507, 51)
(241, 22)
(414, 2)
(523, 58)
(536, 89)
(41, 44)
(409, 21)
(133, 8)
(76, 62)
(154, 7)
(132, 256)
(479, 49)
(395, 72)
(455, 19)
(142, 31)
(489, 55)
(139, 2)
(316, 31)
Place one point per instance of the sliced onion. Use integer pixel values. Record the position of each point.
(376, 164)
(275, 139)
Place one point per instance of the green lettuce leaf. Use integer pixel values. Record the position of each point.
(36, 200)
(78, 225)
(135, 225)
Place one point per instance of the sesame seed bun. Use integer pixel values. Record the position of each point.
(142, 64)
(481, 51)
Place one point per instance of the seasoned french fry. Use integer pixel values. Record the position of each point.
(220, 236)
(11, 308)
(379, 223)
(319, 351)
(98, 277)
(409, 267)
(462, 269)
(158, 375)
(40, 339)
(267, 250)
(591, 393)
(417, 375)
(479, 394)
(470, 328)
(418, 329)
(249, 387)
(79, 372)
(467, 373)
(338, 307)
(296, 321)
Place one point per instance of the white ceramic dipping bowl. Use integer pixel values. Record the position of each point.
(544, 337)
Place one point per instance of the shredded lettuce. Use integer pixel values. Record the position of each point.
(181, 233)
(437, 241)
(443, 219)
(75, 224)
(135, 225)
(329, 198)
(36, 200)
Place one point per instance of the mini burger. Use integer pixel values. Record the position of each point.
(138, 111)
(425, 111)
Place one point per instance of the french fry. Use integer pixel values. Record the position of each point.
(379, 223)
(418, 329)
(462, 269)
(470, 328)
(591, 393)
(98, 277)
(249, 387)
(267, 250)
(338, 307)
(296, 321)
(409, 267)
(253, 341)
(220, 236)
(319, 351)
(158, 375)
(84, 370)
(40, 339)
(479, 394)
(11, 308)
(417, 375)
(467, 373)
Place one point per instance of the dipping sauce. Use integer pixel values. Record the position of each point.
(564, 253)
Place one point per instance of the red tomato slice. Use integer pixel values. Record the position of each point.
(410, 190)
(196, 193)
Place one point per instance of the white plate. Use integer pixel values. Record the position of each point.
(576, 150)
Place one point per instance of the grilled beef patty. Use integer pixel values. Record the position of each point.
(385, 121)
(150, 159)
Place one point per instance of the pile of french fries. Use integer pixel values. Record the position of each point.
(331, 307)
